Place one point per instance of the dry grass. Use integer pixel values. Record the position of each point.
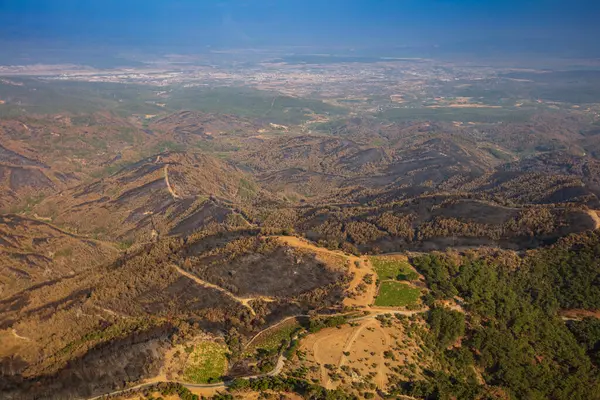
(341, 357)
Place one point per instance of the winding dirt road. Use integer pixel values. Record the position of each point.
(245, 301)
(214, 387)
(357, 266)
(363, 300)
(16, 335)
(594, 215)
(169, 187)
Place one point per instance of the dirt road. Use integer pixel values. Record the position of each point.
(594, 215)
(357, 266)
(245, 301)
(169, 187)
(347, 345)
(323, 346)
(16, 335)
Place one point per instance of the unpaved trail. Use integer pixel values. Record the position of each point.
(205, 390)
(350, 342)
(41, 220)
(245, 301)
(381, 379)
(111, 312)
(359, 271)
(577, 314)
(212, 389)
(319, 357)
(347, 347)
(16, 335)
(364, 268)
(594, 215)
(169, 187)
(47, 219)
(341, 346)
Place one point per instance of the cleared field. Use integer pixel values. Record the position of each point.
(353, 357)
(206, 363)
(396, 294)
(393, 267)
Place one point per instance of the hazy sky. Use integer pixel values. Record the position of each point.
(247, 23)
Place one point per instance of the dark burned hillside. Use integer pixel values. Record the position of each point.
(34, 252)
(439, 222)
(118, 319)
(128, 238)
(155, 196)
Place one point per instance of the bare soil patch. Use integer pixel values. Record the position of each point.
(358, 355)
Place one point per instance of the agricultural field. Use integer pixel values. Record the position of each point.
(206, 363)
(397, 294)
(271, 340)
(393, 268)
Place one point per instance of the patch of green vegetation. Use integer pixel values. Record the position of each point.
(318, 323)
(251, 103)
(445, 326)
(124, 245)
(66, 252)
(206, 363)
(587, 333)
(167, 145)
(393, 268)
(448, 114)
(273, 339)
(397, 294)
(183, 393)
(247, 189)
(499, 154)
(126, 135)
(50, 97)
(27, 205)
(288, 384)
(519, 343)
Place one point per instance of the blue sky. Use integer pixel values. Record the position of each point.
(248, 23)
